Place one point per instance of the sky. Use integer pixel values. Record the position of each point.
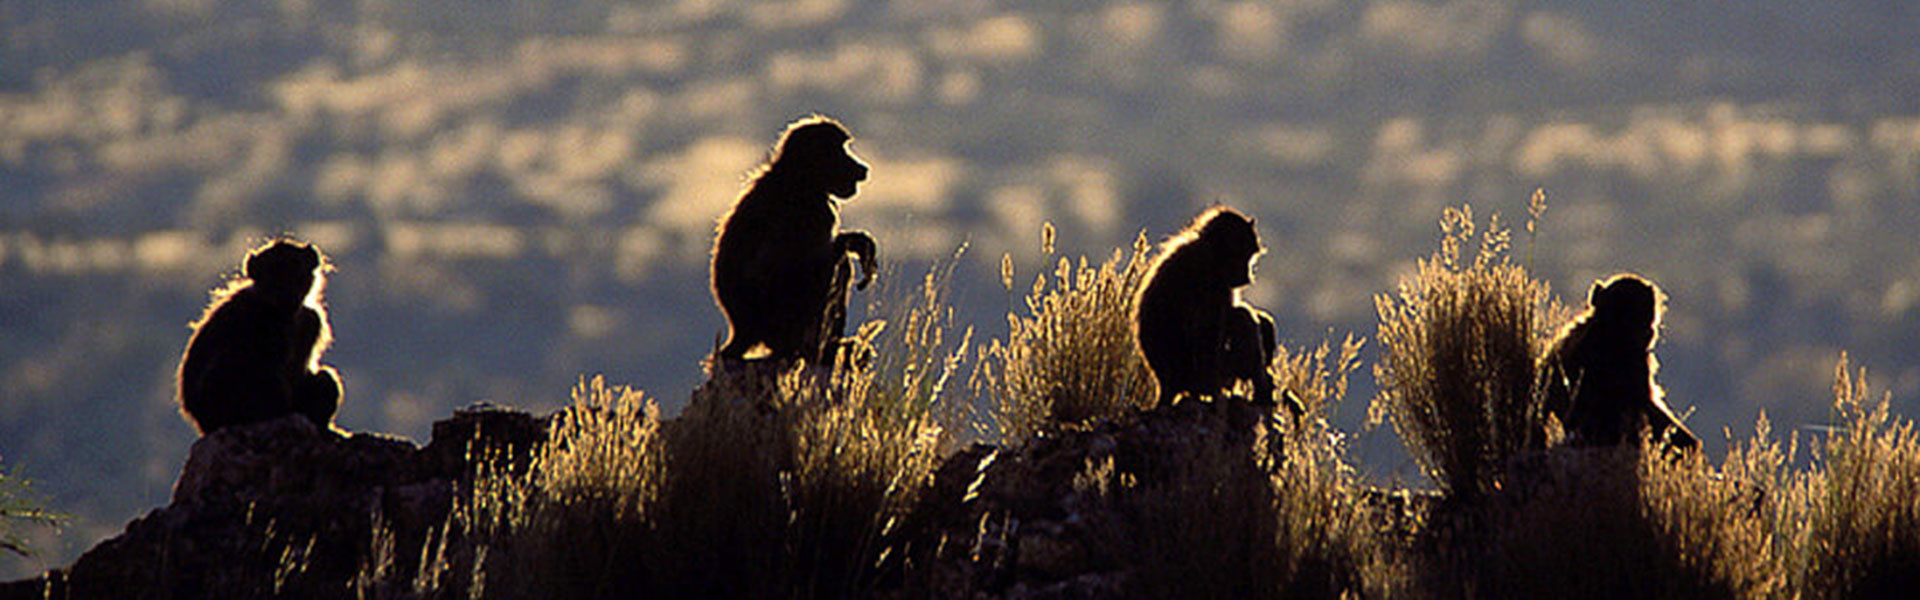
(521, 193)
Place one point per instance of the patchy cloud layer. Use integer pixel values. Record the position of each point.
(517, 194)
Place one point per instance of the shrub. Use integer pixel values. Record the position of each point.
(1071, 359)
(1460, 340)
(1863, 539)
(772, 483)
(19, 505)
(1328, 542)
(1619, 523)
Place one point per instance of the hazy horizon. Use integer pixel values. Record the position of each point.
(520, 194)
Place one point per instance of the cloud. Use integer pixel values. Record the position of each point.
(1727, 141)
(910, 185)
(1251, 31)
(793, 14)
(411, 98)
(417, 240)
(1290, 145)
(1089, 190)
(1460, 29)
(1403, 155)
(1131, 25)
(697, 185)
(884, 74)
(1564, 40)
(996, 40)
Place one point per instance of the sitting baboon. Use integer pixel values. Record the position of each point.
(1196, 334)
(255, 352)
(781, 267)
(1599, 370)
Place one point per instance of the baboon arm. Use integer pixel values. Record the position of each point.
(862, 247)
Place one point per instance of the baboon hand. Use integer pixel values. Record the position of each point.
(863, 248)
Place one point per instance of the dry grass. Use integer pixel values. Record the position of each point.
(20, 505)
(772, 483)
(1460, 340)
(1071, 359)
(1863, 535)
(789, 484)
(1268, 512)
(1327, 542)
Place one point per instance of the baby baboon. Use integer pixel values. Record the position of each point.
(255, 353)
(1599, 371)
(781, 268)
(1196, 334)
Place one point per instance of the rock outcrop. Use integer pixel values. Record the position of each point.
(1058, 517)
(283, 509)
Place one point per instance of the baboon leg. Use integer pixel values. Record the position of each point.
(750, 323)
(317, 396)
(1249, 333)
(823, 343)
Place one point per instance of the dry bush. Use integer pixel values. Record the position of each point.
(1266, 509)
(1072, 358)
(20, 505)
(1327, 542)
(1623, 522)
(774, 482)
(1863, 539)
(1460, 341)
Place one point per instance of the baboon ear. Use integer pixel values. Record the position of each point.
(1593, 295)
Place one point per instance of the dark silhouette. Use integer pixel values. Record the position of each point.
(255, 352)
(781, 267)
(1599, 370)
(1196, 334)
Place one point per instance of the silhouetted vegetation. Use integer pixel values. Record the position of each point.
(1071, 357)
(801, 482)
(20, 506)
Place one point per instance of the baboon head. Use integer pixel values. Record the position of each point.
(1628, 304)
(1233, 242)
(815, 148)
(285, 269)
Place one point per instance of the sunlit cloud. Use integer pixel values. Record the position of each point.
(1431, 32)
(997, 40)
(413, 241)
(592, 321)
(697, 185)
(1726, 140)
(1131, 25)
(1402, 154)
(884, 74)
(1090, 191)
(910, 185)
(1251, 31)
(1563, 39)
(792, 14)
(1288, 144)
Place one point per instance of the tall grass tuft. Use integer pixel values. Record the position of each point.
(1864, 535)
(1071, 358)
(1327, 543)
(1460, 339)
(1260, 509)
(773, 482)
(20, 505)
(1620, 523)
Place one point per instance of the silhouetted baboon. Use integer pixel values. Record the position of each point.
(255, 352)
(781, 267)
(1599, 371)
(1196, 334)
